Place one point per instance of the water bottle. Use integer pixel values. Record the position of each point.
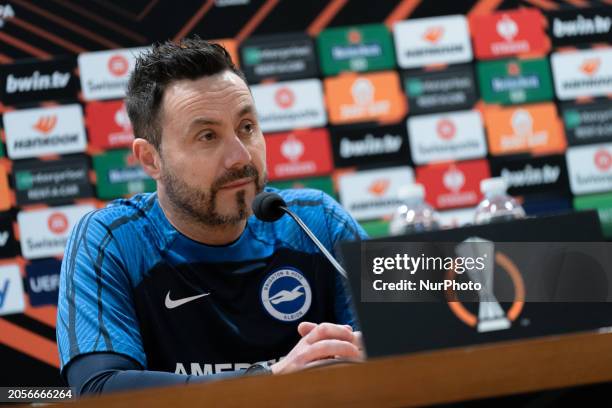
(497, 205)
(414, 214)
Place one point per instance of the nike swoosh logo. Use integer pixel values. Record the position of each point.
(171, 304)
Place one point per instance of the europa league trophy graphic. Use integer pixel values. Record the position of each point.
(491, 316)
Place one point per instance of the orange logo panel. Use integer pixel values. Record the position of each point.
(520, 129)
(5, 200)
(355, 98)
(231, 46)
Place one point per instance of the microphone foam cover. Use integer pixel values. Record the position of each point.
(266, 206)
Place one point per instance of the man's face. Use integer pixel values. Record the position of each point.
(212, 150)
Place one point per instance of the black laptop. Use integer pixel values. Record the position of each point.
(403, 327)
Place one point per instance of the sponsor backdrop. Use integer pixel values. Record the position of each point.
(354, 99)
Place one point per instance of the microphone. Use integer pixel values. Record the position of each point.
(270, 207)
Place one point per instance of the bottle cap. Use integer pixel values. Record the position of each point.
(494, 185)
(411, 191)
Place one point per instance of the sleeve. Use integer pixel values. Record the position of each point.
(342, 227)
(103, 373)
(96, 311)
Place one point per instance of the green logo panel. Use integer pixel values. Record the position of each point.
(515, 81)
(324, 184)
(119, 176)
(603, 204)
(376, 229)
(357, 48)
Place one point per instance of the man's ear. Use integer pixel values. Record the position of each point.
(148, 156)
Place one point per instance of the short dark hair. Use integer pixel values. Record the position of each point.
(164, 63)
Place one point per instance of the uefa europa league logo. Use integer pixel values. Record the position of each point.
(491, 316)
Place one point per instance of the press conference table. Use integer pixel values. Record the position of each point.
(449, 375)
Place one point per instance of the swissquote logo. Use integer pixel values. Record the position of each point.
(373, 193)
(44, 233)
(585, 73)
(284, 98)
(446, 129)
(118, 65)
(433, 40)
(590, 168)
(43, 131)
(286, 294)
(449, 136)
(104, 74)
(290, 105)
(57, 223)
(603, 160)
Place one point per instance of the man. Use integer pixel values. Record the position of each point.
(166, 287)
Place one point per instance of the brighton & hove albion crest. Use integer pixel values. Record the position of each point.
(286, 294)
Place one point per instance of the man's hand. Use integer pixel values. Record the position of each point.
(319, 342)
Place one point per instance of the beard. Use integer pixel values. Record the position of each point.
(200, 205)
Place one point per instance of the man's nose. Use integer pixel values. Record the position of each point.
(236, 153)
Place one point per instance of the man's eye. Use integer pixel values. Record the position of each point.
(248, 128)
(206, 136)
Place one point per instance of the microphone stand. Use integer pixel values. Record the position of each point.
(314, 239)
